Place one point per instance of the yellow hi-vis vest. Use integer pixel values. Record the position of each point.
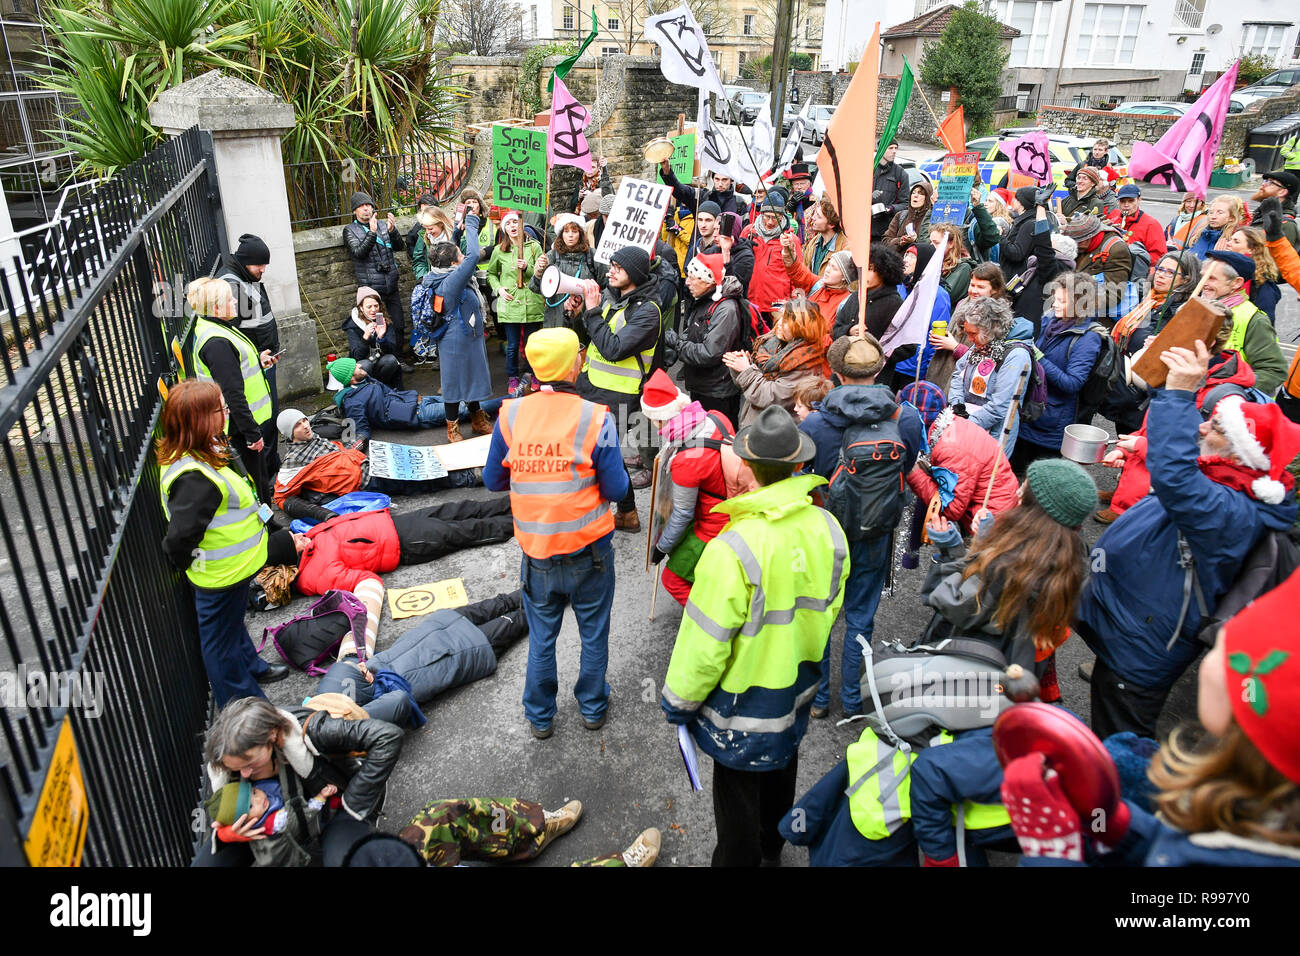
(1242, 315)
(256, 392)
(234, 546)
(626, 374)
(880, 793)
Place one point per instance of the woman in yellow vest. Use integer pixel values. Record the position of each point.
(223, 354)
(216, 534)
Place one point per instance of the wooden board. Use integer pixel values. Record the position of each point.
(1196, 320)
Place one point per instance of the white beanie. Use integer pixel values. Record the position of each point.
(287, 421)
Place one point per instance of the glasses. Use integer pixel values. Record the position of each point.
(1162, 270)
(223, 410)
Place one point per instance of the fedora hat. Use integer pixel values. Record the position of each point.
(773, 436)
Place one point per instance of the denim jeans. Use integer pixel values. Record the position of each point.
(585, 580)
(432, 412)
(516, 332)
(228, 655)
(868, 569)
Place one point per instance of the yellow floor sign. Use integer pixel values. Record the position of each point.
(410, 602)
(58, 829)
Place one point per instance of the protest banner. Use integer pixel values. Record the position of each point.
(956, 176)
(638, 213)
(405, 462)
(519, 167)
(424, 598)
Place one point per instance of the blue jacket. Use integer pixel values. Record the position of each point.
(991, 413)
(1130, 604)
(822, 822)
(372, 404)
(949, 775)
(847, 404)
(1205, 242)
(940, 312)
(1066, 369)
(1149, 842)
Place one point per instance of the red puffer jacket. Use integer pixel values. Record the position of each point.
(348, 549)
(970, 451)
(769, 283)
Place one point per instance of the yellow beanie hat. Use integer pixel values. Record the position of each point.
(551, 353)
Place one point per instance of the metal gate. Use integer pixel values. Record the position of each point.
(99, 631)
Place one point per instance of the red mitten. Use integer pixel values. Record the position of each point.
(951, 861)
(1045, 823)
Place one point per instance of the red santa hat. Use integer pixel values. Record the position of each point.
(1261, 659)
(661, 399)
(1262, 439)
(708, 267)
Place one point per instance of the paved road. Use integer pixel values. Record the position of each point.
(629, 774)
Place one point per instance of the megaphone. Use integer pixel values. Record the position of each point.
(554, 281)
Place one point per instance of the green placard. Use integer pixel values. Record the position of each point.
(519, 168)
(683, 158)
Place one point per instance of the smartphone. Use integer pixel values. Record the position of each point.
(278, 355)
(460, 210)
(728, 225)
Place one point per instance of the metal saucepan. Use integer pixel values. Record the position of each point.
(1085, 444)
(657, 150)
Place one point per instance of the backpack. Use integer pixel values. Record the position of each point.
(1034, 402)
(1273, 559)
(751, 331)
(1106, 371)
(430, 317)
(1141, 270)
(328, 423)
(866, 490)
(309, 639)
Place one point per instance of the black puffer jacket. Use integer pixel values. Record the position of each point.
(709, 330)
(373, 261)
(728, 201)
(882, 302)
(256, 320)
(890, 188)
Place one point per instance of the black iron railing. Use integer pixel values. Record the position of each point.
(319, 192)
(87, 600)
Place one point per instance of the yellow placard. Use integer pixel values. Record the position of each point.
(411, 602)
(58, 829)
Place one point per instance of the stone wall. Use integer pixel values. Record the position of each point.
(1124, 129)
(821, 87)
(918, 124)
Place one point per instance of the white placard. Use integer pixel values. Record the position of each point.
(405, 462)
(638, 213)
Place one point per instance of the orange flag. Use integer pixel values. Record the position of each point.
(952, 131)
(844, 162)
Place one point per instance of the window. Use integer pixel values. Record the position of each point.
(610, 50)
(533, 33)
(1034, 21)
(744, 58)
(749, 24)
(568, 18)
(1108, 34)
(1262, 39)
(1198, 64)
(612, 22)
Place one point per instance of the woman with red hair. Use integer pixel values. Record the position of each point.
(216, 534)
(794, 350)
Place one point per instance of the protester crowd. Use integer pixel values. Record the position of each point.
(750, 343)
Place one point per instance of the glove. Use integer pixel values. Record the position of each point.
(945, 539)
(959, 410)
(1044, 195)
(878, 208)
(1269, 218)
(1045, 823)
(656, 555)
(986, 522)
(1038, 353)
(671, 339)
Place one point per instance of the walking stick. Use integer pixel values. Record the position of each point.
(1006, 430)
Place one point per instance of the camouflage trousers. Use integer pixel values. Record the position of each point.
(487, 828)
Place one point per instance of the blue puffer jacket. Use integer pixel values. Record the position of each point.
(1149, 842)
(372, 404)
(822, 822)
(1130, 605)
(1066, 369)
(849, 404)
(941, 311)
(444, 650)
(950, 775)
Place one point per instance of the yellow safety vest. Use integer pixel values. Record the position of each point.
(1242, 314)
(234, 546)
(256, 392)
(625, 375)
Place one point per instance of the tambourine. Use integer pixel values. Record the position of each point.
(657, 150)
(1086, 769)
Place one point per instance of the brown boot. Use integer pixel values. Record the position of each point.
(1105, 516)
(626, 521)
(1105, 496)
(453, 431)
(480, 424)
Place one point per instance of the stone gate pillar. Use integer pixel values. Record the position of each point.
(247, 124)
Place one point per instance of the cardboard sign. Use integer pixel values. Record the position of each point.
(405, 462)
(58, 829)
(661, 496)
(683, 159)
(638, 213)
(1197, 319)
(519, 167)
(956, 176)
(425, 598)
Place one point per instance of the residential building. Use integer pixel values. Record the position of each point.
(910, 38)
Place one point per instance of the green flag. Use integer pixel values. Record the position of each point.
(564, 66)
(896, 111)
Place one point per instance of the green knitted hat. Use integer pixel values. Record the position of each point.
(230, 802)
(1064, 489)
(341, 372)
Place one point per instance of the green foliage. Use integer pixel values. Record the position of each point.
(530, 72)
(353, 96)
(971, 57)
(757, 68)
(801, 61)
(1254, 68)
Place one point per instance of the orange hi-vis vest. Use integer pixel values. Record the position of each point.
(554, 493)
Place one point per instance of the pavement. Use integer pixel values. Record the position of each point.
(629, 774)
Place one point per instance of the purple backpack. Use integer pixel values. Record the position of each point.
(312, 638)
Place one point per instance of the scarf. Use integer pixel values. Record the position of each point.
(1230, 302)
(683, 423)
(381, 324)
(1126, 326)
(300, 454)
(994, 351)
(795, 356)
(1235, 475)
(386, 681)
(763, 233)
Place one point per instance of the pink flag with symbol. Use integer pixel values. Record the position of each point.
(1030, 156)
(566, 143)
(1184, 157)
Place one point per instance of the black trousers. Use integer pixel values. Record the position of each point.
(430, 533)
(1026, 453)
(1119, 705)
(747, 806)
(501, 619)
